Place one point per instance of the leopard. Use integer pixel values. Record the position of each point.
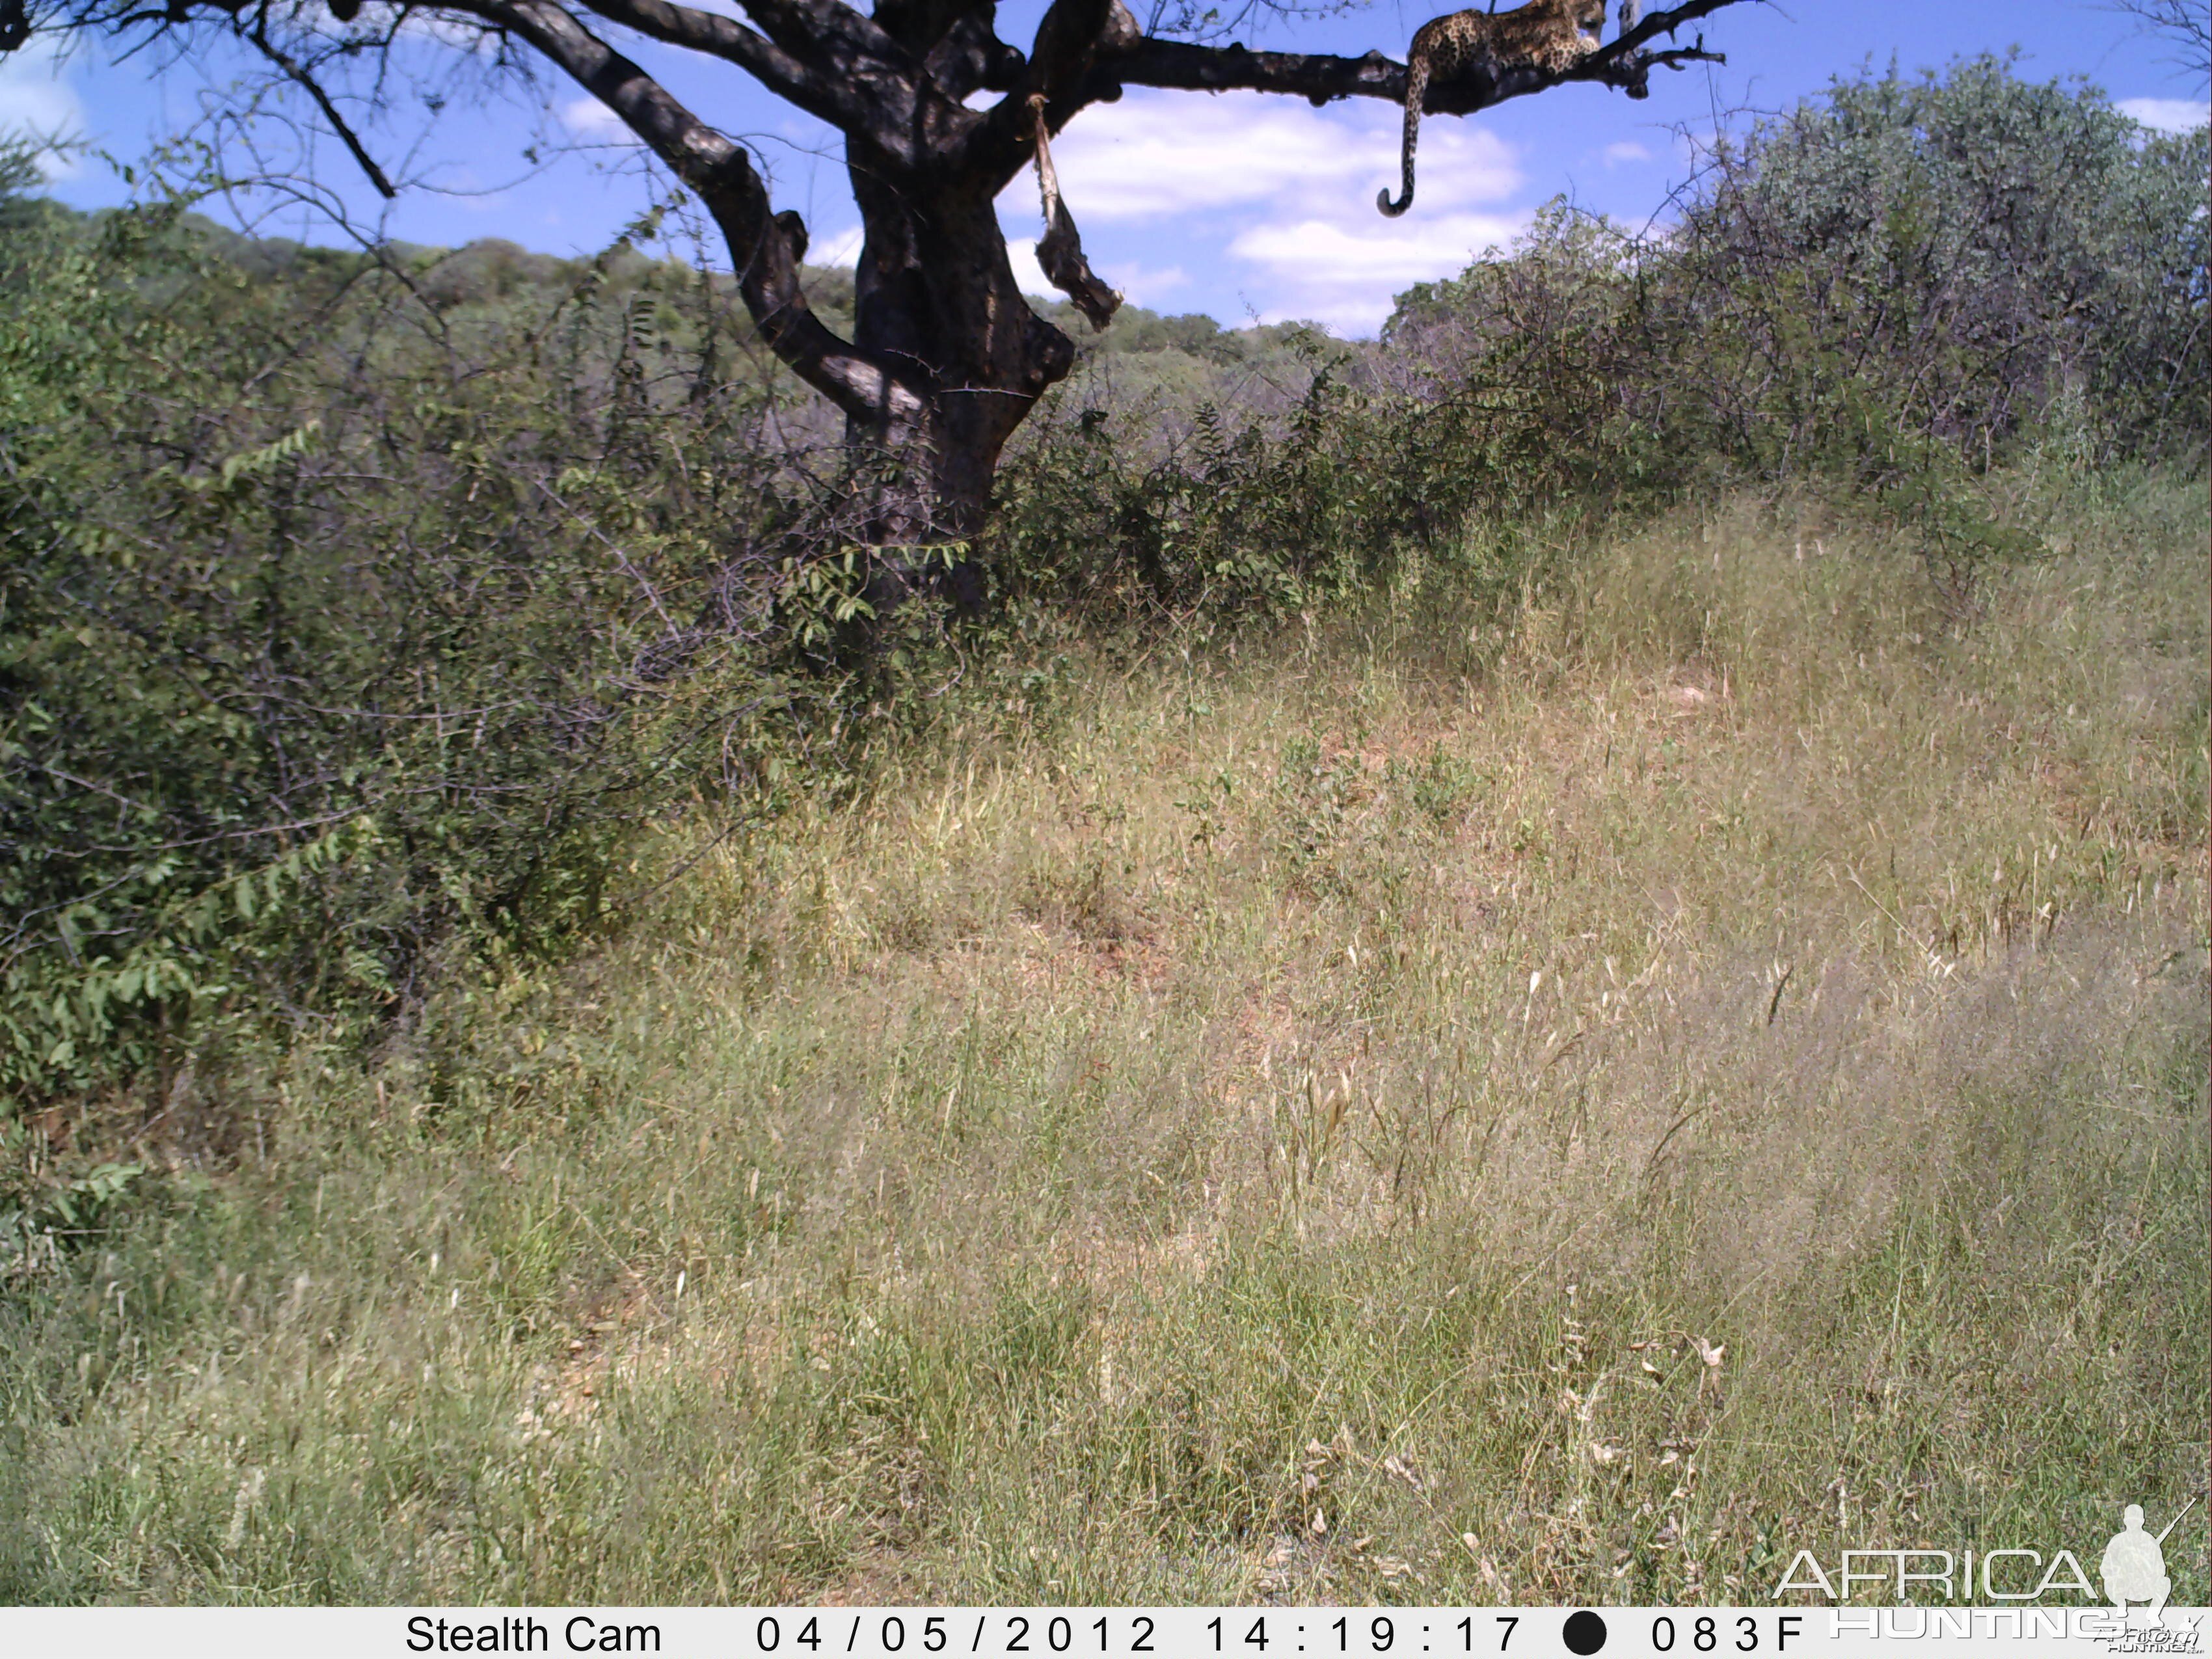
(1550, 36)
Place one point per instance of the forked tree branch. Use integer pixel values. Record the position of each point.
(1667, 21)
(833, 35)
(821, 96)
(1074, 39)
(765, 246)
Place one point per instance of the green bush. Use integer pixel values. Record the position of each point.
(1977, 259)
(337, 628)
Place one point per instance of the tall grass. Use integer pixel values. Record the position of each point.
(1577, 1100)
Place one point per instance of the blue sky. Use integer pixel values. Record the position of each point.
(1243, 206)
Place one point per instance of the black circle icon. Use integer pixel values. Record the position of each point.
(1585, 1632)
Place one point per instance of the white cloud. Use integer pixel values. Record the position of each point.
(1625, 151)
(1029, 274)
(587, 118)
(1277, 196)
(37, 99)
(1157, 155)
(1142, 286)
(2167, 114)
(839, 247)
(1345, 275)
(1136, 283)
(1402, 252)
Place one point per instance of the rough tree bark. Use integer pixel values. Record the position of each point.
(946, 357)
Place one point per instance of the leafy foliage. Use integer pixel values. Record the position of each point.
(340, 622)
(1973, 259)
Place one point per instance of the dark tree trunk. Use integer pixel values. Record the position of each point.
(935, 297)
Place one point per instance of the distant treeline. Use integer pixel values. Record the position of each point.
(488, 291)
(356, 607)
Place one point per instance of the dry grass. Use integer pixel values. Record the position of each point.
(1576, 1109)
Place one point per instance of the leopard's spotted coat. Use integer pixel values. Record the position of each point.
(1547, 35)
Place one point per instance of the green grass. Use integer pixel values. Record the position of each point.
(1573, 1107)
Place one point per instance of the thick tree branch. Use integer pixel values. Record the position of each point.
(765, 246)
(830, 32)
(1623, 63)
(923, 26)
(823, 95)
(822, 55)
(818, 54)
(1072, 39)
(969, 56)
(1181, 66)
(1068, 38)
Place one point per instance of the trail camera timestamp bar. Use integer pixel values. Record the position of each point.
(1247, 1632)
(1817, 1632)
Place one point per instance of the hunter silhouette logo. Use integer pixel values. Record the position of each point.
(2134, 1566)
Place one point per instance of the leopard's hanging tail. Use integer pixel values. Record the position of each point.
(1417, 89)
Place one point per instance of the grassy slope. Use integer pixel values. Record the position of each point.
(1288, 1127)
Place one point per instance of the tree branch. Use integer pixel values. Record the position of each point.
(1068, 38)
(782, 73)
(285, 61)
(1072, 38)
(831, 33)
(1180, 65)
(969, 56)
(765, 246)
(1625, 64)
(2183, 22)
(922, 27)
(819, 54)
